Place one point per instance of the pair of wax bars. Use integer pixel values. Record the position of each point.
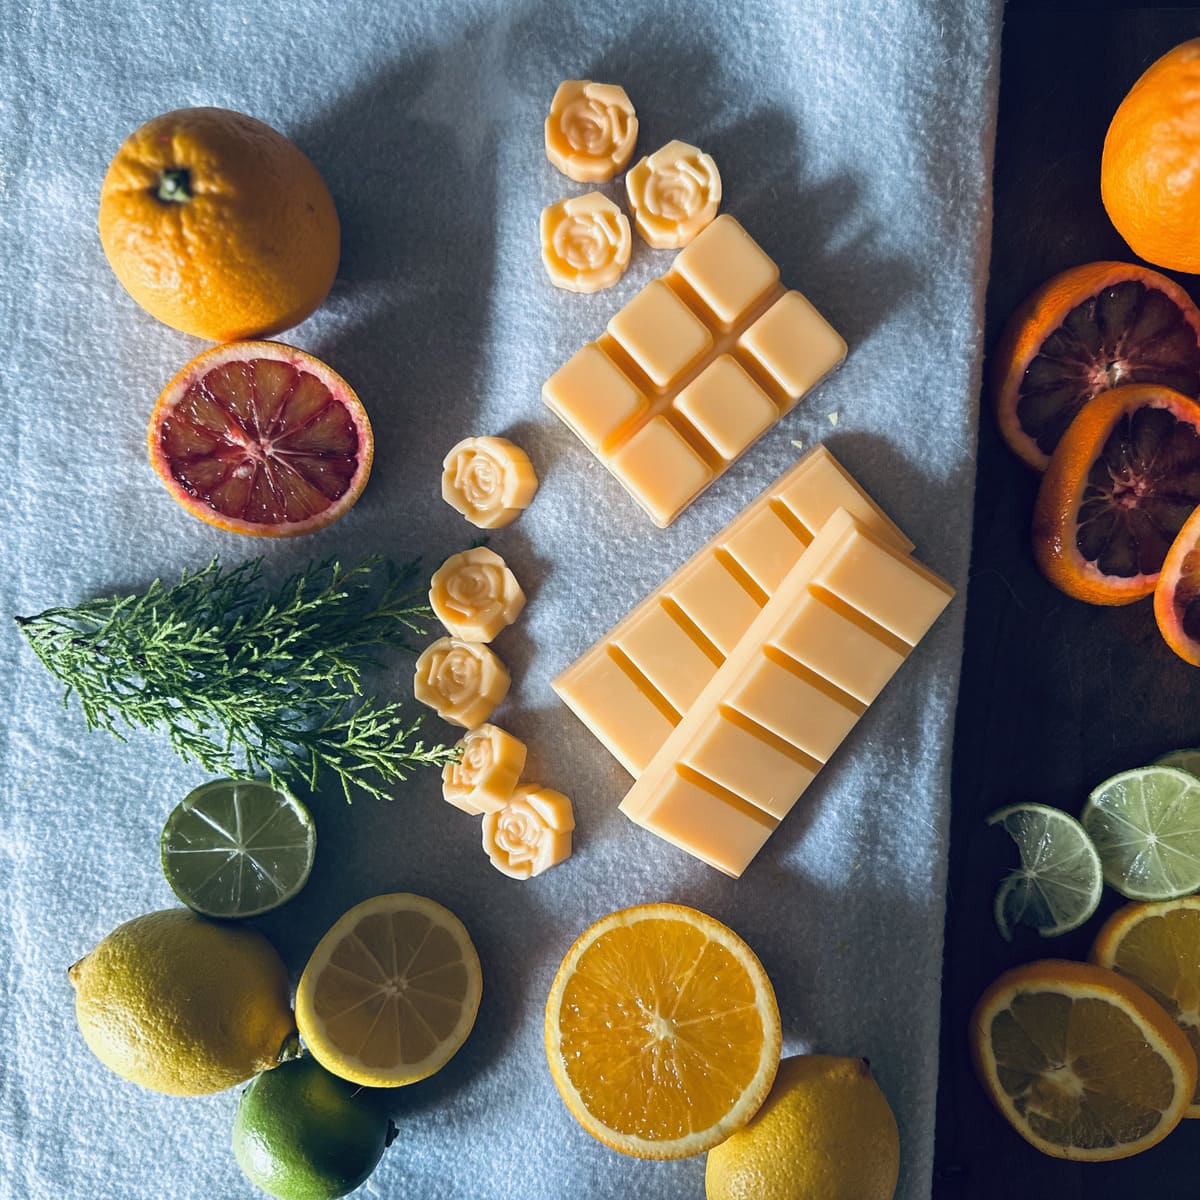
(727, 689)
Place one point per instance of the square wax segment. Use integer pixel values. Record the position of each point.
(616, 710)
(766, 547)
(820, 485)
(660, 333)
(795, 345)
(831, 644)
(667, 655)
(890, 588)
(727, 407)
(660, 470)
(795, 708)
(727, 269)
(720, 830)
(713, 599)
(593, 396)
(750, 765)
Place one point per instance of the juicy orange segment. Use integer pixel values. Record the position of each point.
(1177, 593)
(260, 438)
(1158, 947)
(1082, 1062)
(662, 1031)
(391, 991)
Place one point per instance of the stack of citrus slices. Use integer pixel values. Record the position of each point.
(1093, 382)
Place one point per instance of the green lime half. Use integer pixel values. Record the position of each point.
(1058, 884)
(237, 848)
(1185, 760)
(1146, 826)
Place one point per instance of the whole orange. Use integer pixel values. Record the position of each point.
(1150, 169)
(219, 226)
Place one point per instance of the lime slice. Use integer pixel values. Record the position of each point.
(237, 848)
(1058, 884)
(1146, 826)
(1184, 760)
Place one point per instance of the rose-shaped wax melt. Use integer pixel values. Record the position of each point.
(585, 243)
(591, 130)
(475, 595)
(485, 776)
(674, 194)
(489, 480)
(531, 833)
(461, 681)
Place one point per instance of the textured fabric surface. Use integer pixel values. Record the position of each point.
(855, 144)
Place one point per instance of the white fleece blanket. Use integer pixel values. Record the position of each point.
(855, 142)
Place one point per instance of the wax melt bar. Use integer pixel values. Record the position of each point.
(693, 369)
(631, 688)
(819, 652)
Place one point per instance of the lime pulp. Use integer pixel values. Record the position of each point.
(1145, 824)
(237, 848)
(1185, 760)
(1058, 884)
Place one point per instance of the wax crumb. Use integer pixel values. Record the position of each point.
(833, 418)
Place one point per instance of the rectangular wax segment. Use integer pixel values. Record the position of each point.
(761, 769)
(720, 830)
(693, 370)
(666, 655)
(720, 591)
(891, 590)
(611, 704)
(783, 697)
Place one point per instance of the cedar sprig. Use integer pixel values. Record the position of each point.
(245, 680)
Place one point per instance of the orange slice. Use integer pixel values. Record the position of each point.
(391, 991)
(662, 1031)
(1177, 593)
(260, 438)
(1158, 947)
(1086, 330)
(1082, 1063)
(1121, 483)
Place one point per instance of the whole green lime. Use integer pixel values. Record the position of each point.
(303, 1134)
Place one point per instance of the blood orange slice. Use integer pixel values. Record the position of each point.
(261, 438)
(1120, 484)
(1177, 593)
(1081, 333)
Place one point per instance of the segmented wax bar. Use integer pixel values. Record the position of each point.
(693, 369)
(834, 632)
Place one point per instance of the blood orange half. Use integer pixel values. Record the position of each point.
(1120, 484)
(1081, 333)
(260, 438)
(1177, 594)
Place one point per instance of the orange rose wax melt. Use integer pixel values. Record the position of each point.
(818, 653)
(485, 776)
(490, 480)
(461, 681)
(586, 243)
(475, 595)
(591, 130)
(674, 194)
(635, 684)
(530, 834)
(693, 370)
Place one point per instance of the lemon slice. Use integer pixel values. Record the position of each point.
(1158, 947)
(391, 991)
(1145, 825)
(1082, 1062)
(1059, 882)
(662, 1031)
(237, 848)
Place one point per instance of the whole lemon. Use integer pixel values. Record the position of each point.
(826, 1130)
(184, 1005)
